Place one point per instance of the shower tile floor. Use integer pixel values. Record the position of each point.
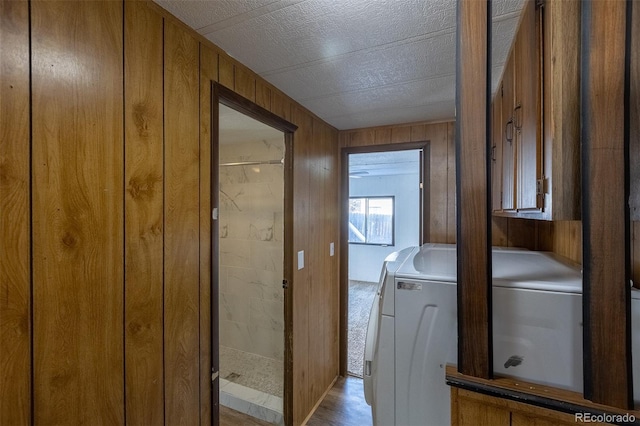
(251, 370)
(251, 384)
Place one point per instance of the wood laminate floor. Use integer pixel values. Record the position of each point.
(229, 417)
(344, 405)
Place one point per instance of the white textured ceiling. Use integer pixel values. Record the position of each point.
(354, 63)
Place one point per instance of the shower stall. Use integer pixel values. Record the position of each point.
(251, 246)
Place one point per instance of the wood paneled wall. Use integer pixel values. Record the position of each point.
(316, 286)
(634, 142)
(77, 215)
(15, 207)
(441, 184)
(604, 129)
(473, 131)
(561, 237)
(144, 212)
(108, 179)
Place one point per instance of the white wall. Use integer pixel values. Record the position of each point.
(365, 262)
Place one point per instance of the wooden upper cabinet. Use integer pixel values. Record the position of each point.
(508, 137)
(496, 153)
(527, 119)
(540, 176)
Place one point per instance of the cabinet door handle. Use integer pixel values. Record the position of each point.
(493, 153)
(508, 130)
(517, 117)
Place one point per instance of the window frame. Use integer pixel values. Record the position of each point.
(366, 220)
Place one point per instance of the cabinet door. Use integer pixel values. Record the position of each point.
(543, 417)
(496, 153)
(472, 409)
(527, 110)
(508, 137)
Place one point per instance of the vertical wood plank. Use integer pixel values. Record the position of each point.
(245, 83)
(606, 298)
(343, 160)
(634, 115)
(419, 133)
(181, 259)
(528, 138)
(509, 183)
(15, 274)
(280, 105)
(545, 235)
(451, 184)
(143, 111)
(382, 136)
(323, 250)
(635, 262)
(400, 134)
(263, 95)
(226, 73)
(522, 233)
(317, 290)
(562, 120)
(500, 231)
(438, 183)
(330, 270)
(471, 412)
(208, 73)
(78, 244)
(496, 154)
(333, 210)
(343, 139)
(301, 281)
(289, 326)
(474, 244)
(455, 406)
(567, 239)
(363, 137)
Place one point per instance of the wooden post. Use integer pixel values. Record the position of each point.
(473, 85)
(605, 212)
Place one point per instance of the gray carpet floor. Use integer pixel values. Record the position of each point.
(361, 295)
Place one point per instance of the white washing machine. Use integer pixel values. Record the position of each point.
(537, 329)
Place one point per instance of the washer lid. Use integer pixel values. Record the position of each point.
(535, 270)
(516, 268)
(436, 262)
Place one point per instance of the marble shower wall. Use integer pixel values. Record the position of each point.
(252, 249)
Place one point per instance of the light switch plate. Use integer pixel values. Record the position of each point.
(332, 249)
(300, 259)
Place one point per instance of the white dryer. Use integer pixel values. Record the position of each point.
(412, 331)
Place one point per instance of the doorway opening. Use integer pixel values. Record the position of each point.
(251, 244)
(384, 207)
(251, 251)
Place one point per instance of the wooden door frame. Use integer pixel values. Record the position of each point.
(424, 229)
(225, 96)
